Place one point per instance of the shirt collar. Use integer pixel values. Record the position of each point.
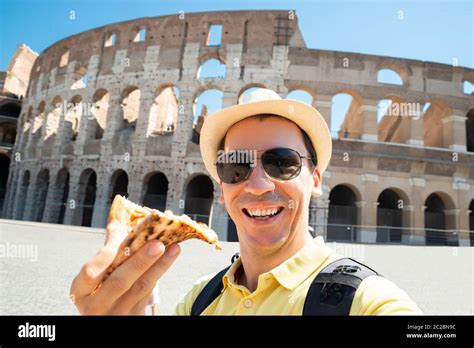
(294, 270)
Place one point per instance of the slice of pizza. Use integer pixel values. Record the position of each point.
(144, 224)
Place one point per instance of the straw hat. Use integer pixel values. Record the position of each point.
(264, 101)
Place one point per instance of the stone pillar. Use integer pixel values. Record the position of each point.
(454, 131)
(229, 99)
(370, 131)
(324, 105)
(414, 128)
(408, 223)
(452, 226)
(184, 126)
(462, 186)
(114, 115)
(367, 212)
(84, 125)
(69, 214)
(219, 218)
(51, 202)
(29, 209)
(417, 223)
(101, 204)
(147, 98)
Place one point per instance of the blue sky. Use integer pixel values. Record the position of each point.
(437, 31)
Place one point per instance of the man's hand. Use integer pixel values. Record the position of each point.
(128, 289)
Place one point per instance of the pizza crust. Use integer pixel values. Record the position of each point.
(144, 224)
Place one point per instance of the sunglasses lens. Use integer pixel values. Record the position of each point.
(282, 164)
(233, 173)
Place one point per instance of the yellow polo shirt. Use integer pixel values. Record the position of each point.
(282, 291)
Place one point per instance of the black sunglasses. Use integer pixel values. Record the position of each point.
(280, 163)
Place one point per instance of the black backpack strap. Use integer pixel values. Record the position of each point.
(210, 292)
(333, 289)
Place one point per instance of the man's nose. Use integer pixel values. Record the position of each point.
(259, 182)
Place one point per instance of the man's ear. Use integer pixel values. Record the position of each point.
(221, 196)
(316, 192)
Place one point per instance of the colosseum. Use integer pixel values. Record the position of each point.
(115, 110)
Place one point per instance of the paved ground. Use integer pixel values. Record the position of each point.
(439, 279)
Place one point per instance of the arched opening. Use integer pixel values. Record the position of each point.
(130, 105)
(301, 95)
(389, 217)
(140, 35)
(52, 120)
(110, 39)
(73, 118)
(346, 116)
(470, 131)
(245, 93)
(433, 125)
(211, 68)
(4, 168)
(156, 190)
(389, 76)
(99, 110)
(81, 78)
(164, 111)
(25, 183)
(89, 200)
(64, 58)
(119, 182)
(10, 109)
(468, 87)
(38, 124)
(439, 225)
(41, 192)
(207, 103)
(392, 115)
(60, 196)
(342, 218)
(7, 134)
(199, 197)
(471, 222)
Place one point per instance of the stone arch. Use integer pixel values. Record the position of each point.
(110, 39)
(100, 109)
(390, 215)
(64, 57)
(164, 111)
(52, 120)
(433, 124)
(346, 114)
(60, 196)
(403, 70)
(40, 194)
(10, 109)
(4, 169)
(304, 88)
(304, 95)
(72, 120)
(86, 197)
(155, 190)
(471, 222)
(118, 184)
(440, 219)
(130, 106)
(207, 100)
(140, 33)
(391, 114)
(7, 133)
(38, 123)
(470, 131)
(211, 68)
(247, 87)
(343, 216)
(199, 196)
(21, 198)
(80, 78)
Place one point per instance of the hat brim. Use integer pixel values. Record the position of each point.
(305, 116)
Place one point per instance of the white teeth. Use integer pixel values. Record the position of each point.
(263, 212)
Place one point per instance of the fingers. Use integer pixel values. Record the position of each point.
(122, 279)
(93, 272)
(139, 293)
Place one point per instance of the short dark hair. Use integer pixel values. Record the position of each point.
(307, 141)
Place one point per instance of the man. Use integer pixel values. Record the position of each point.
(267, 195)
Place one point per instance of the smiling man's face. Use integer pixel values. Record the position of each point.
(290, 198)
